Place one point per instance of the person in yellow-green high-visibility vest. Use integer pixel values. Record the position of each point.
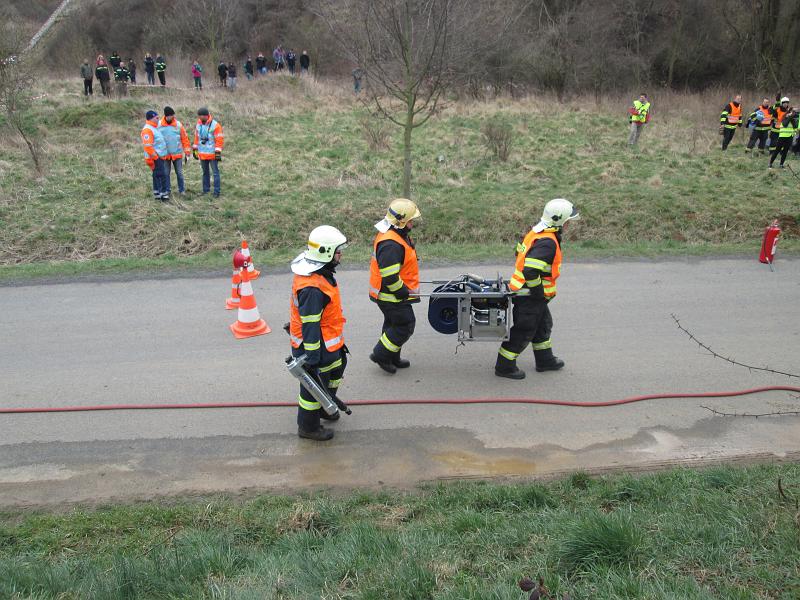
(788, 127)
(537, 268)
(639, 114)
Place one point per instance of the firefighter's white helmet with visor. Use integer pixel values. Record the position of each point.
(400, 212)
(556, 213)
(323, 243)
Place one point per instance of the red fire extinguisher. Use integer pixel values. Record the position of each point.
(770, 243)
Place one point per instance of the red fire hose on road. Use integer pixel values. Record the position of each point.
(571, 403)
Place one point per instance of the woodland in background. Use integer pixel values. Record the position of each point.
(564, 46)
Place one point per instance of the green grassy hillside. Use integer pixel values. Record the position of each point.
(296, 156)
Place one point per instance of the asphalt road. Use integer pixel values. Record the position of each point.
(156, 341)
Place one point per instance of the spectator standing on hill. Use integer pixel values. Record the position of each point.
(150, 69)
(161, 69)
(278, 58)
(232, 76)
(103, 75)
(779, 110)
(305, 62)
(261, 64)
(358, 75)
(639, 115)
(114, 60)
(730, 120)
(121, 80)
(222, 71)
(207, 147)
(88, 76)
(178, 148)
(759, 121)
(132, 70)
(155, 155)
(788, 127)
(291, 60)
(197, 75)
(248, 68)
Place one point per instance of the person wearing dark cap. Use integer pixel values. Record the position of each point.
(155, 155)
(178, 148)
(207, 147)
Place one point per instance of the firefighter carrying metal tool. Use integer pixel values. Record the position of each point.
(394, 283)
(317, 325)
(536, 270)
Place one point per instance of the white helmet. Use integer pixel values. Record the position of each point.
(323, 242)
(785, 99)
(556, 213)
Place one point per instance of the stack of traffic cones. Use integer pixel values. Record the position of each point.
(251, 270)
(249, 322)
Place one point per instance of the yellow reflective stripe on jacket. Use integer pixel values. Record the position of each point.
(388, 344)
(333, 342)
(393, 287)
(334, 383)
(390, 270)
(532, 283)
(311, 347)
(311, 318)
(305, 404)
(332, 366)
(535, 263)
(508, 354)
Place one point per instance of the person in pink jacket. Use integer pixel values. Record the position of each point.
(197, 73)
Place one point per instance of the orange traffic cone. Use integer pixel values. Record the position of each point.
(249, 323)
(251, 270)
(233, 301)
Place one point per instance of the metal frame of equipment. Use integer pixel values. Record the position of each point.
(478, 310)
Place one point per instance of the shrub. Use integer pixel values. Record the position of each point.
(375, 132)
(498, 137)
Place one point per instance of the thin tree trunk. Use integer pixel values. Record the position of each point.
(31, 148)
(409, 127)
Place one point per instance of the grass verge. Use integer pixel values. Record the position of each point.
(433, 254)
(297, 155)
(725, 532)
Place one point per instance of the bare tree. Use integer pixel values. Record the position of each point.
(16, 81)
(406, 49)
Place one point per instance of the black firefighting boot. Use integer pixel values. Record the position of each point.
(383, 361)
(400, 363)
(508, 368)
(308, 425)
(546, 361)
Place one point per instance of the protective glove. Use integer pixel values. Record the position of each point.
(402, 293)
(218, 155)
(195, 154)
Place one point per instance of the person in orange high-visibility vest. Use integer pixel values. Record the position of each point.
(316, 326)
(730, 119)
(537, 267)
(207, 147)
(394, 283)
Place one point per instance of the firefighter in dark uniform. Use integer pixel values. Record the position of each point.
(760, 120)
(317, 324)
(394, 283)
(536, 270)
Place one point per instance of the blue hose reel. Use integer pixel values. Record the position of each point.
(473, 307)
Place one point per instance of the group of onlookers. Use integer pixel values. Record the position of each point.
(122, 71)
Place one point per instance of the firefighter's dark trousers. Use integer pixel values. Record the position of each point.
(533, 324)
(760, 137)
(398, 327)
(727, 136)
(331, 370)
(782, 148)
